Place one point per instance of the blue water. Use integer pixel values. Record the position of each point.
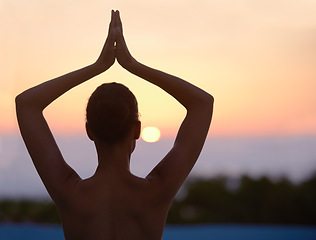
(183, 232)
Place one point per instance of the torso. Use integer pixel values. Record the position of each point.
(126, 208)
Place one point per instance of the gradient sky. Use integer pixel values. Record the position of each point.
(257, 58)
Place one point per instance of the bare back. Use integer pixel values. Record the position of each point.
(118, 208)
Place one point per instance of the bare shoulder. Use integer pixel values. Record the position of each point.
(114, 209)
(131, 192)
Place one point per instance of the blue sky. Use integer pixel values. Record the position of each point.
(292, 157)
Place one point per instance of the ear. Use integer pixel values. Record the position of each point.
(89, 132)
(138, 126)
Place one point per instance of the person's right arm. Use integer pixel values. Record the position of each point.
(177, 164)
(171, 172)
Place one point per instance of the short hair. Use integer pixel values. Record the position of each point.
(112, 110)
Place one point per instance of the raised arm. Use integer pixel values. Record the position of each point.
(176, 165)
(57, 176)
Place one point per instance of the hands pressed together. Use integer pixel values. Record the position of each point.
(115, 45)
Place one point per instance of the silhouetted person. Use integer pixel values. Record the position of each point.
(113, 203)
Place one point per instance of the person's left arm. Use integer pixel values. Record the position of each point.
(57, 176)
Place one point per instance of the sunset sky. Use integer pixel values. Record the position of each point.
(257, 58)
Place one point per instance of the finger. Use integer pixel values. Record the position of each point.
(111, 33)
(118, 22)
(112, 23)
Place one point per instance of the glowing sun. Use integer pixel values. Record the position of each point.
(151, 134)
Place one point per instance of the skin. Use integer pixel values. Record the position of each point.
(113, 203)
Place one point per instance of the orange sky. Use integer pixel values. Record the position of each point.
(257, 58)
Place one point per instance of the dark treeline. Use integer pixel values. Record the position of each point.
(217, 200)
(246, 200)
(28, 211)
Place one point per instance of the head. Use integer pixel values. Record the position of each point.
(112, 114)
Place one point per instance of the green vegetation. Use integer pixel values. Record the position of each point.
(246, 200)
(218, 200)
(28, 211)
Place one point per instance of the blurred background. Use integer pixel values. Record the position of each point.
(257, 58)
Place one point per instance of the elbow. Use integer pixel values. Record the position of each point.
(207, 105)
(211, 104)
(19, 102)
(20, 99)
(208, 101)
(23, 101)
(203, 103)
(204, 98)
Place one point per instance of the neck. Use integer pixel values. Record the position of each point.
(114, 159)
